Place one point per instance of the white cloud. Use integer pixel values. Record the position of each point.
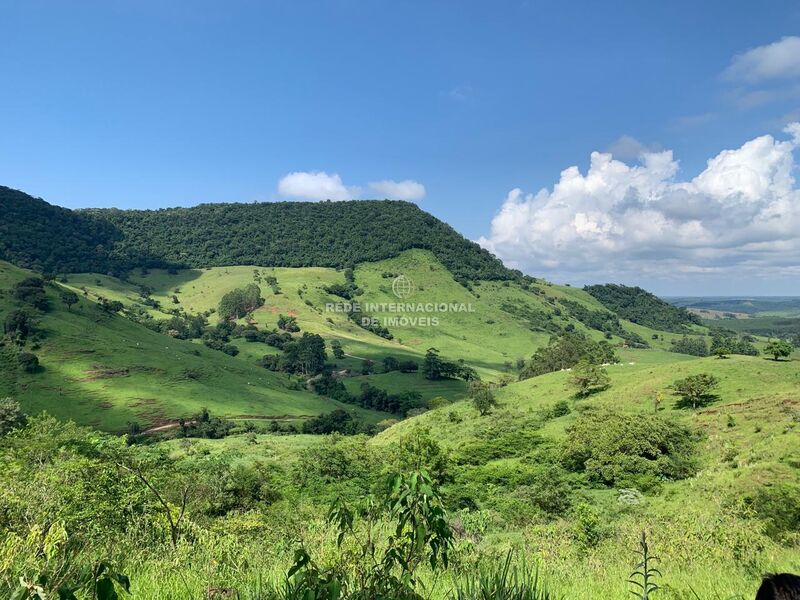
(314, 185)
(319, 185)
(398, 190)
(779, 60)
(739, 217)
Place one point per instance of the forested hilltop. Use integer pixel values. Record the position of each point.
(38, 235)
(643, 308)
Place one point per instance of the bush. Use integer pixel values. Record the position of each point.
(778, 506)
(28, 361)
(623, 450)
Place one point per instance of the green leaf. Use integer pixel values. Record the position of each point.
(105, 590)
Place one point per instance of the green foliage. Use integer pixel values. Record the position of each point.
(588, 379)
(777, 504)
(730, 343)
(239, 302)
(564, 352)
(292, 234)
(696, 390)
(482, 397)
(644, 573)
(642, 307)
(434, 368)
(336, 349)
(30, 291)
(28, 362)
(19, 324)
(604, 321)
(695, 346)
(11, 416)
(778, 349)
(502, 582)
(421, 535)
(69, 298)
(617, 449)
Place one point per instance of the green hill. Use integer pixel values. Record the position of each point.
(106, 371)
(292, 234)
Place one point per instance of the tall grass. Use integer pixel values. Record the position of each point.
(508, 582)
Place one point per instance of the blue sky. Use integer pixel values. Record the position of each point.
(152, 104)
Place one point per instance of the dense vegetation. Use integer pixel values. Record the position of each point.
(47, 238)
(294, 234)
(642, 307)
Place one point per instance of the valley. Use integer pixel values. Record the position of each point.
(193, 418)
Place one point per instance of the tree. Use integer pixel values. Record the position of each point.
(11, 416)
(18, 324)
(778, 349)
(432, 365)
(721, 352)
(336, 348)
(695, 390)
(482, 397)
(288, 324)
(589, 379)
(28, 361)
(69, 298)
(390, 363)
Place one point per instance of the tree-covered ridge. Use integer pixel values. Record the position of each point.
(37, 235)
(297, 234)
(641, 307)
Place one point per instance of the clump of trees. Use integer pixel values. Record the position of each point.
(694, 346)
(564, 352)
(626, 450)
(434, 368)
(304, 356)
(732, 343)
(604, 321)
(641, 307)
(239, 302)
(390, 363)
(778, 349)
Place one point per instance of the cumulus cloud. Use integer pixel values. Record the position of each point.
(314, 185)
(398, 190)
(779, 60)
(319, 185)
(739, 217)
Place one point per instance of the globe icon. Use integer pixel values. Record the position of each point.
(402, 286)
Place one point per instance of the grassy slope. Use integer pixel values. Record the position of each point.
(106, 370)
(485, 338)
(750, 438)
(687, 521)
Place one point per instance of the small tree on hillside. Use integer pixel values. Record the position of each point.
(69, 298)
(336, 348)
(695, 390)
(778, 349)
(11, 416)
(721, 352)
(588, 379)
(482, 397)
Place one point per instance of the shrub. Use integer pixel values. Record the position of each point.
(623, 450)
(28, 361)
